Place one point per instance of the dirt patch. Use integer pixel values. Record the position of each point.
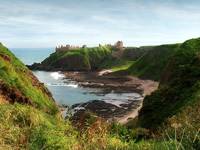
(3, 100)
(13, 95)
(5, 57)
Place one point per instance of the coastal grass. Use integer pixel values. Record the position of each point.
(16, 75)
(151, 65)
(79, 58)
(116, 64)
(176, 103)
(178, 88)
(25, 127)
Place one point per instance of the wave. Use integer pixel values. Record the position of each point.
(57, 75)
(117, 103)
(62, 84)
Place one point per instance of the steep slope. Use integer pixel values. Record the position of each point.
(19, 84)
(152, 63)
(177, 99)
(29, 117)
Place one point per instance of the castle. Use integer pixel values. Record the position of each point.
(118, 45)
(66, 48)
(119, 49)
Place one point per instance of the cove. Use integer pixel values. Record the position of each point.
(68, 92)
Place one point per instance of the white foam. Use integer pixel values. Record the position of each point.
(79, 108)
(76, 109)
(116, 102)
(73, 85)
(123, 96)
(62, 84)
(57, 75)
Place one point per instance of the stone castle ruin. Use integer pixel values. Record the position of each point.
(66, 48)
(118, 46)
(118, 53)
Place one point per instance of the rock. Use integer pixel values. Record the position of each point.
(102, 109)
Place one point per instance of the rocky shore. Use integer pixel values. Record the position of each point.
(106, 110)
(115, 109)
(118, 81)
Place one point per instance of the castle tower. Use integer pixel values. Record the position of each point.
(119, 45)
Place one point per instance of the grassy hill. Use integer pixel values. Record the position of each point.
(29, 117)
(152, 63)
(176, 102)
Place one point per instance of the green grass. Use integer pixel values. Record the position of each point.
(16, 75)
(24, 127)
(153, 62)
(78, 59)
(123, 66)
(116, 64)
(179, 91)
(40, 126)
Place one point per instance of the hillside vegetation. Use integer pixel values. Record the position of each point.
(30, 119)
(82, 59)
(177, 100)
(152, 63)
(169, 118)
(145, 62)
(90, 59)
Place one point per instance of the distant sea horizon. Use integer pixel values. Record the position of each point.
(31, 55)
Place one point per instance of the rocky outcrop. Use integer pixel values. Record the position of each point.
(103, 109)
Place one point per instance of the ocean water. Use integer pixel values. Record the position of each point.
(66, 91)
(30, 55)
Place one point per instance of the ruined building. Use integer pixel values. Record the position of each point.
(118, 53)
(119, 45)
(66, 48)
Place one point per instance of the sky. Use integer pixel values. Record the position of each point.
(48, 23)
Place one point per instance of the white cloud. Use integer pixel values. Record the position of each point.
(48, 23)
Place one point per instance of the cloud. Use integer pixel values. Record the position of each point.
(37, 23)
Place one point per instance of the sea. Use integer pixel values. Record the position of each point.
(66, 91)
